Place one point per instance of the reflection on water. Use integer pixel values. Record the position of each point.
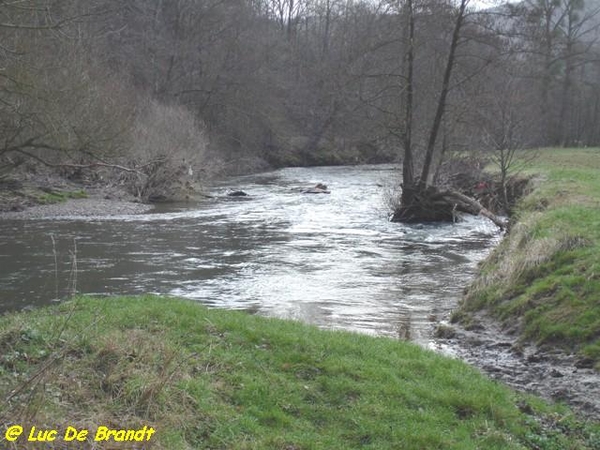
(331, 260)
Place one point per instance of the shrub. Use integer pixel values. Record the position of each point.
(168, 147)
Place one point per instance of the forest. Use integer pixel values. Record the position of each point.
(143, 93)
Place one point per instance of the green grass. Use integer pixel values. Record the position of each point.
(227, 380)
(47, 198)
(546, 273)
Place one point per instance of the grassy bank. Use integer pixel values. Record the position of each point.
(544, 278)
(227, 380)
(17, 195)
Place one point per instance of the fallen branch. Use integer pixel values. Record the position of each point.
(434, 205)
(470, 205)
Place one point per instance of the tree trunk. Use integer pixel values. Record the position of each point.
(420, 202)
(408, 163)
(423, 206)
(437, 121)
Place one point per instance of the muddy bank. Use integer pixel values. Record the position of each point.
(530, 317)
(547, 372)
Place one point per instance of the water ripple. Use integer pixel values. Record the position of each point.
(332, 260)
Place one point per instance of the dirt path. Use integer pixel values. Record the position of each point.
(548, 373)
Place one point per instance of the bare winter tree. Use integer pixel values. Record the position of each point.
(559, 38)
(502, 118)
(285, 82)
(59, 107)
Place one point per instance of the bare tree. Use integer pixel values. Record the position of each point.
(58, 106)
(558, 37)
(502, 117)
(421, 201)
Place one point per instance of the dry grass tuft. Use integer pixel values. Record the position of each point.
(521, 252)
(130, 377)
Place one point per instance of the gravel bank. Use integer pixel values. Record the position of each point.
(85, 207)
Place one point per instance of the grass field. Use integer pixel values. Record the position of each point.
(214, 379)
(545, 275)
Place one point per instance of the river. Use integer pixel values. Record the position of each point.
(330, 260)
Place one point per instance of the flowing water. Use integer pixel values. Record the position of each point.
(331, 260)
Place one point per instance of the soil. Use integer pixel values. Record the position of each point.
(546, 372)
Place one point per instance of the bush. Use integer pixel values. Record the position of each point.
(168, 148)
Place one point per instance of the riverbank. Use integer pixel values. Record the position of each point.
(532, 315)
(93, 206)
(38, 196)
(205, 378)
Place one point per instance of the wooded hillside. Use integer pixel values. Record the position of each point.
(151, 90)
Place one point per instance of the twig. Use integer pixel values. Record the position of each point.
(72, 286)
(55, 265)
(36, 375)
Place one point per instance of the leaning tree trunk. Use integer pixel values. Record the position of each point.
(441, 108)
(408, 177)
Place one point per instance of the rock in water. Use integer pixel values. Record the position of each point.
(318, 188)
(237, 194)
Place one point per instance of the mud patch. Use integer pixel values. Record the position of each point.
(548, 373)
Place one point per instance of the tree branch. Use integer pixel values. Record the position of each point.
(87, 166)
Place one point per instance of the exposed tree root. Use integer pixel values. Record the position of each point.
(435, 205)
